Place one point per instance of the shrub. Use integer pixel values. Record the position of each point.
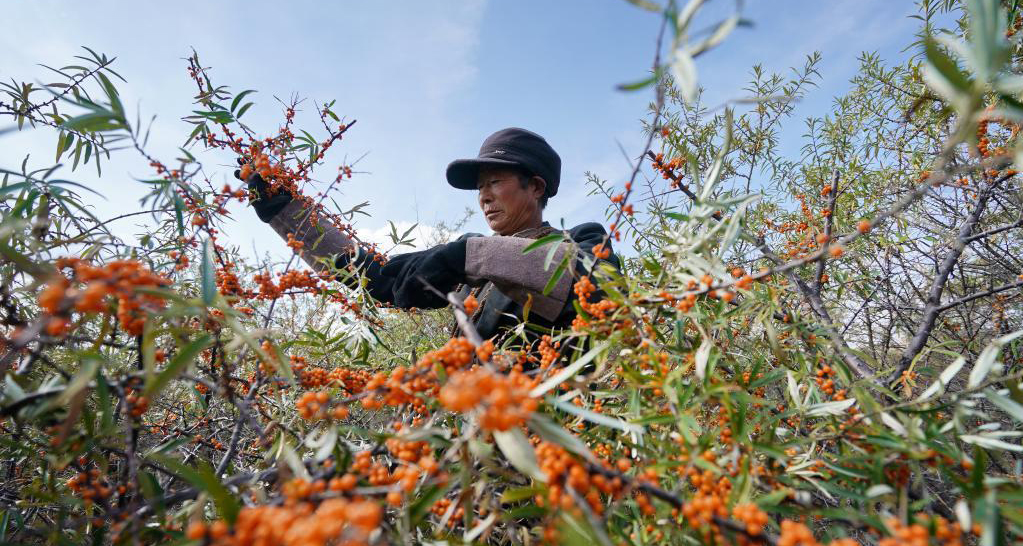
(799, 351)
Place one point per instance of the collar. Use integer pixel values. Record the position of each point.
(535, 233)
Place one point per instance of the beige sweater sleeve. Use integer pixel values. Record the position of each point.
(322, 241)
(500, 260)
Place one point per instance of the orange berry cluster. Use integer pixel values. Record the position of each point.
(119, 278)
(584, 289)
(471, 304)
(316, 406)
(409, 450)
(946, 534)
(228, 283)
(333, 521)
(91, 486)
(753, 517)
(504, 399)
(825, 380)
(441, 507)
(709, 500)
(548, 351)
(292, 281)
(798, 534)
(136, 404)
(404, 384)
(352, 381)
(669, 168)
(200, 530)
(563, 470)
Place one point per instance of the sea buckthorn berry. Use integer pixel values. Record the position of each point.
(836, 251)
(471, 304)
(196, 531)
(863, 226)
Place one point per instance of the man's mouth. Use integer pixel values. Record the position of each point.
(490, 213)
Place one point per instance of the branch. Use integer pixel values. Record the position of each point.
(854, 362)
(933, 306)
(977, 295)
(828, 225)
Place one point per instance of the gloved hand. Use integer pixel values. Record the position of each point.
(442, 267)
(267, 206)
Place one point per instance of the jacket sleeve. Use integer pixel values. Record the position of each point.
(403, 280)
(318, 242)
(521, 276)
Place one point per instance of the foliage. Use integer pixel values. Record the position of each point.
(800, 350)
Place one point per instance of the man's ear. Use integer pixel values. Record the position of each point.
(539, 186)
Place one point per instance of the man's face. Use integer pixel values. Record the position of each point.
(506, 205)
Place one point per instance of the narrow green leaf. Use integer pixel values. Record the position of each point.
(243, 110)
(181, 360)
(569, 370)
(204, 479)
(209, 276)
(238, 99)
(556, 276)
(543, 241)
(519, 452)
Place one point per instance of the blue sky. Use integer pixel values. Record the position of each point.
(427, 81)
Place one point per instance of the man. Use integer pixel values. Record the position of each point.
(515, 173)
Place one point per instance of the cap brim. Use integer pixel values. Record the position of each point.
(464, 173)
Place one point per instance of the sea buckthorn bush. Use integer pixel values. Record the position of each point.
(819, 349)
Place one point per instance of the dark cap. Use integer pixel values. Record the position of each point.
(511, 147)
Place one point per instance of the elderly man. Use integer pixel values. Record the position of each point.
(515, 173)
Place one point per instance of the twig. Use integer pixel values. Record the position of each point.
(933, 303)
(828, 225)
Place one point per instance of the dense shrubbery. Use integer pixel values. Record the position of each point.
(802, 351)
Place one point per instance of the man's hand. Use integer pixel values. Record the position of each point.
(267, 206)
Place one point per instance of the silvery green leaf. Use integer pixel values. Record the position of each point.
(823, 491)
(990, 443)
(1014, 409)
(961, 49)
(830, 408)
(733, 225)
(323, 443)
(713, 174)
(81, 380)
(962, 511)
(893, 424)
(555, 433)
(208, 276)
(568, 371)
(1010, 85)
(702, 357)
(793, 389)
(878, 490)
(944, 378)
(293, 461)
(986, 360)
(720, 33)
(683, 69)
(987, 35)
(595, 417)
(937, 81)
(685, 16)
(480, 528)
(519, 452)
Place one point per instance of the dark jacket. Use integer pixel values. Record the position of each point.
(503, 295)
(504, 279)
